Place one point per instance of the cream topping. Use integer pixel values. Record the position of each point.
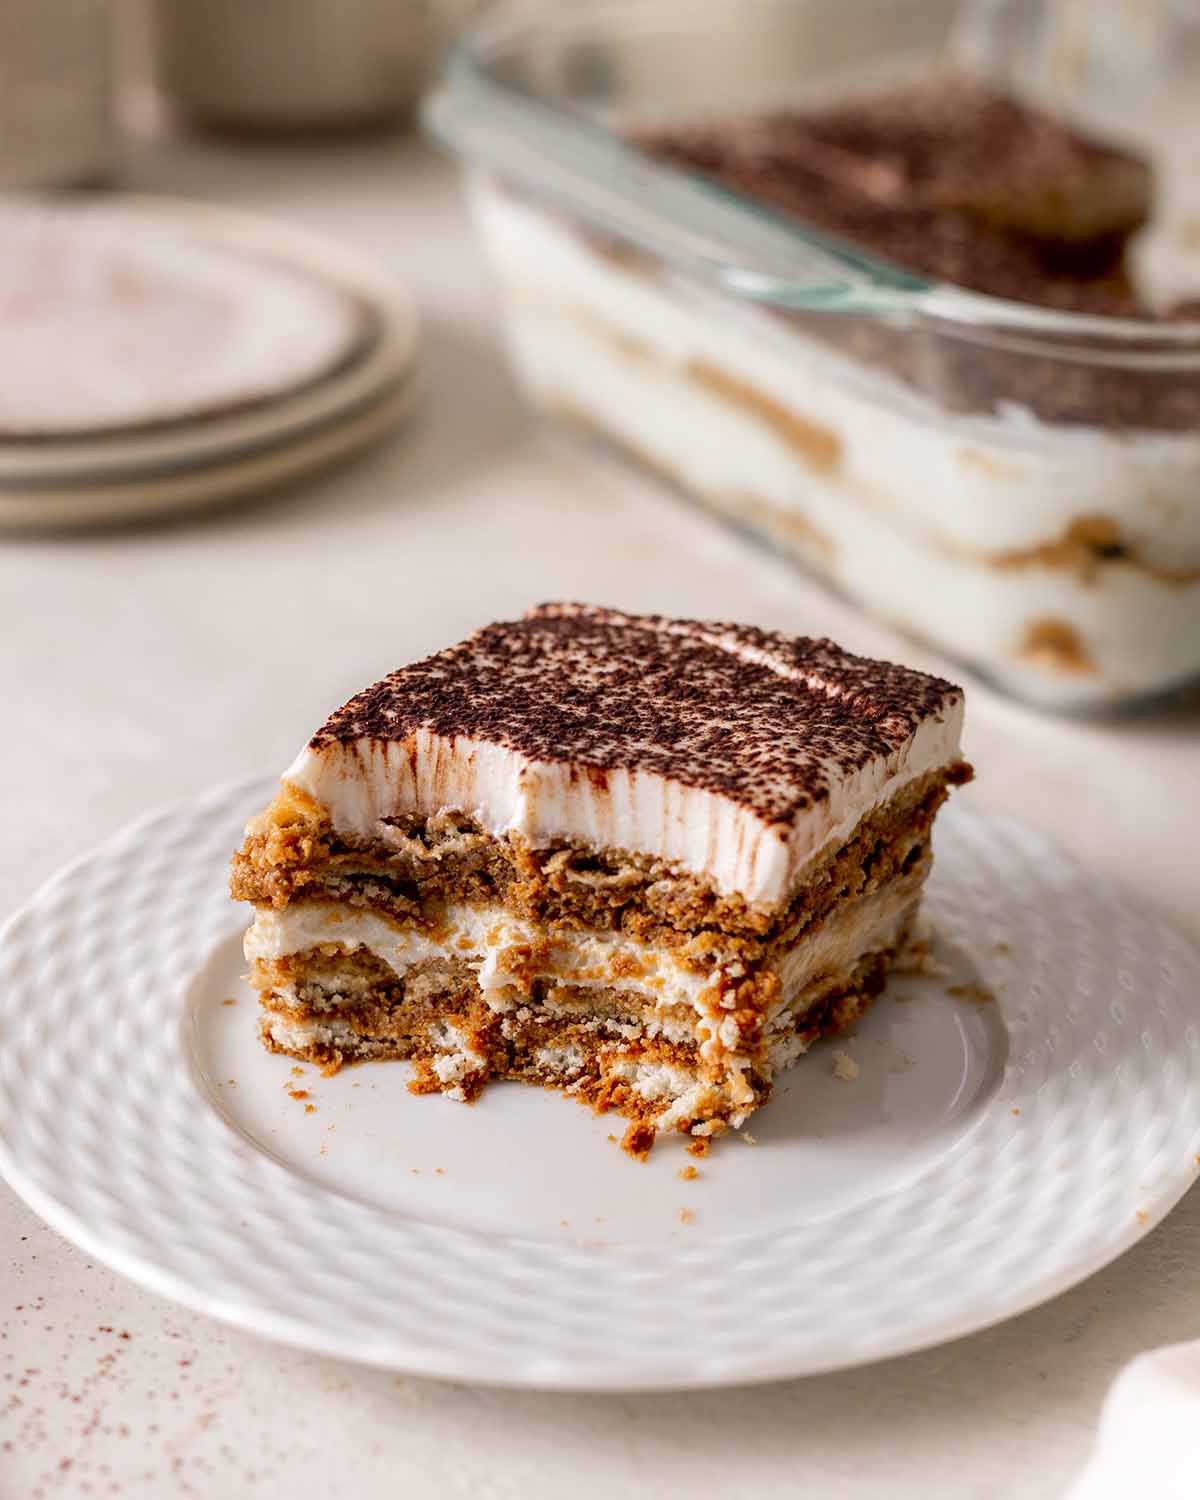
(705, 833)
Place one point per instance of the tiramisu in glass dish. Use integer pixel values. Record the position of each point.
(645, 861)
(876, 310)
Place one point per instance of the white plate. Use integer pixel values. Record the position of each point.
(118, 319)
(383, 356)
(266, 467)
(989, 1154)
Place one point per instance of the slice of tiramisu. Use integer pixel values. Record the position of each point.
(647, 861)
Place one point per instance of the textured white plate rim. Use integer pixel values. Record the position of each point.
(422, 1358)
(386, 355)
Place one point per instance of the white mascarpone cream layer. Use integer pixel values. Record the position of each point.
(846, 936)
(362, 782)
(495, 943)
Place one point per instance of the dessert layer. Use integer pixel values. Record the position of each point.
(468, 996)
(506, 954)
(733, 753)
(945, 177)
(292, 855)
(953, 526)
(952, 142)
(959, 454)
(1068, 622)
(509, 958)
(458, 1045)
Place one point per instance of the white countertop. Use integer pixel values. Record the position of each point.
(142, 666)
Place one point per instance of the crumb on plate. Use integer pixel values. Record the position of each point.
(972, 991)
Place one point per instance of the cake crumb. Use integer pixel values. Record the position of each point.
(689, 1174)
(915, 955)
(1003, 947)
(297, 1072)
(698, 1146)
(230, 1000)
(439, 1171)
(310, 1109)
(747, 1139)
(844, 1067)
(638, 1140)
(1141, 1216)
(686, 1216)
(564, 1223)
(297, 1093)
(973, 991)
(231, 1082)
(1016, 1111)
(613, 1139)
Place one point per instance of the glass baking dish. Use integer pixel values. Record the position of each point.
(1018, 486)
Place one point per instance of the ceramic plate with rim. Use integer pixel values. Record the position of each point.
(258, 470)
(1016, 1122)
(241, 278)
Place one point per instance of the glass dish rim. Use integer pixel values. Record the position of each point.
(594, 164)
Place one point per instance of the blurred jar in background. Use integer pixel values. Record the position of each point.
(297, 66)
(55, 93)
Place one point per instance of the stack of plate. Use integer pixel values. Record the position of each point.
(160, 355)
